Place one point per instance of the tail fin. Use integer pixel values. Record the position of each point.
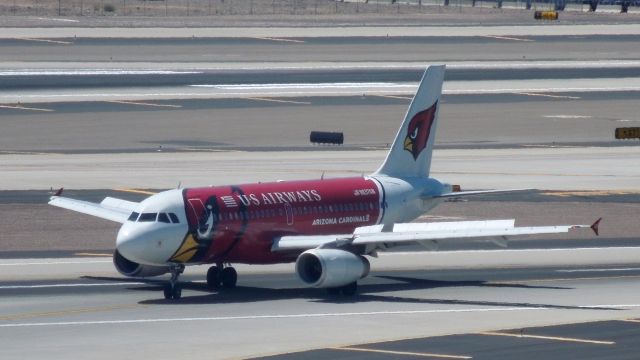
(410, 154)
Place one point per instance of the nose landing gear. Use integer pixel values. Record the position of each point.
(173, 290)
(220, 276)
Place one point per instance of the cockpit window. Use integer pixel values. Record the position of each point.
(162, 217)
(147, 217)
(133, 216)
(174, 218)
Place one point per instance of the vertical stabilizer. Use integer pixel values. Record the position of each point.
(410, 154)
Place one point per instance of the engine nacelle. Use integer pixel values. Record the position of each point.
(326, 268)
(129, 268)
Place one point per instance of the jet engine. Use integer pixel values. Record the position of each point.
(129, 268)
(328, 268)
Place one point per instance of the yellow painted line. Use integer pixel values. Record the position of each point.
(67, 312)
(394, 97)
(279, 101)
(276, 39)
(507, 38)
(19, 107)
(566, 339)
(93, 254)
(429, 355)
(45, 40)
(142, 103)
(135, 191)
(549, 96)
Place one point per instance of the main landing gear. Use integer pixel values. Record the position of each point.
(220, 276)
(173, 290)
(346, 290)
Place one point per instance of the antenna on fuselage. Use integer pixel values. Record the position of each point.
(322, 176)
(179, 185)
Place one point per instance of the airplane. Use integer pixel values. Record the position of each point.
(325, 226)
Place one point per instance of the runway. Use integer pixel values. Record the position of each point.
(130, 112)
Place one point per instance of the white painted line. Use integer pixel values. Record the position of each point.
(46, 40)
(280, 101)
(550, 96)
(556, 338)
(507, 38)
(56, 19)
(19, 107)
(276, 39)
(597, 270)
(59, 72)
(567, 116)
(140, 103)
(13, 287)
(295, 316)
(277, 86)
(402, 353)
(55, 263)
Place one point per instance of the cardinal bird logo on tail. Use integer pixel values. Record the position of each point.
(419, 130)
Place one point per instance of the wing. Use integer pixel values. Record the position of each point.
(113, 209)
(422, 233)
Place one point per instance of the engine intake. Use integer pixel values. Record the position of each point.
(326, 268)
(129, 268)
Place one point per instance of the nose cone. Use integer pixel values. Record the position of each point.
(149, 243)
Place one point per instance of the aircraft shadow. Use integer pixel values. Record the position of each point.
(366, 293)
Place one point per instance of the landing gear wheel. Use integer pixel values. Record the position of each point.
(349, 289)
(213, 278)
(229, 277)
(172, 292)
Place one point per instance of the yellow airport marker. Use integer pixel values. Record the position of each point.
(136, 191)
(394, 97)
(549, 96)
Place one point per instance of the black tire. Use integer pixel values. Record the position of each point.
(213, 278)
(177, 292)
(229, 277)
(350, 289)
(167, 292)
(333, 291)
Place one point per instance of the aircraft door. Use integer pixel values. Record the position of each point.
(289, 212)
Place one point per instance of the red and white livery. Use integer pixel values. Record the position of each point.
(326, 226)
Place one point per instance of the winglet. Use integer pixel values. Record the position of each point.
(59, 192)
(595, 225)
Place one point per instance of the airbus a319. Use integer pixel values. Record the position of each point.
(327, 226)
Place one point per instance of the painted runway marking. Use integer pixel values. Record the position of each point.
(276, 39)
(597, 270)
(549, 96)
(567, 116)
(429, 355)
(565, 279)
(142, 103)
(136, 191)
(47, 286)
(280, 101)
(277, 86)
(630, 320)
(56, 19)
(56, 263)
(20, 107)
(395, 97)
(507, 38)
(296, 316)
(45, 40)
(509, 251)
(586, 341)
(590, 193)
(66, 312)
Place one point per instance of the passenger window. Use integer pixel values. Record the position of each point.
(147, 217)
(133, 217)
(162, 217)
(174, 218)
